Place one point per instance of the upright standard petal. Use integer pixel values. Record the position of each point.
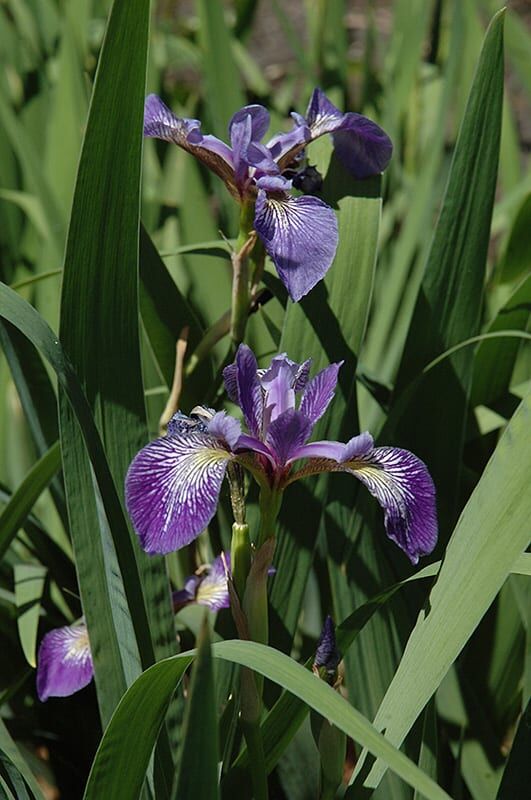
(299, 235)
(172, 489)
(161, 123)
(64, 663)
(404, 488)
(278, 383)
(242, 376)
(319, 392)
(361, 144)
(258, 117)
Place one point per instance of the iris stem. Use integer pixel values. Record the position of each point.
(255, 747)
(270, 501)
(240, 273)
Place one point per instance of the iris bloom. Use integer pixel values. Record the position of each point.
(173, 484)
(298, 233)
(64, 663)
(207, 587)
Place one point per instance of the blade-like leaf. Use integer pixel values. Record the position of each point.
(495, 358)
(29, 585)
(449, 303)
(123, 755)
(198, 772)
(24, 498)
(99, 330)
(11, 751)
(38, 399)
(286, 716)
(492, 532)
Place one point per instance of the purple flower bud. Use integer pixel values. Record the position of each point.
(327, 656)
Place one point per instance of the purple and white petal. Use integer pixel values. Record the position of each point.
(335, 451)
(64, 663)
(183, 597)
(161, 123)
(299, 235)
(302, 376)
(361, 144)
(225, 427)
(230, 379)
(172, 489)
(319, 392)
(278, 382)
(249, 392)
(404, 488)
(213, 590)
(286, 434)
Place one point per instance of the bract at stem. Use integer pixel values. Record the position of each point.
(240, 556)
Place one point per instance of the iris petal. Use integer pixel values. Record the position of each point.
(287, 433)
(64, 662)
(172, 489)
(284, 147)
(332, 452)
(361, 144)
(213, 590)
(300, 236)
(223, 426)
(243, 373)
(403, 486)
(319, 392)
(161, 123)
(259, 120)
(278, 382)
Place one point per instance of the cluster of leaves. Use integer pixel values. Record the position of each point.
(427, 303)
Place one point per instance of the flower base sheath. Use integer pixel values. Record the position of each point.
(173, 484)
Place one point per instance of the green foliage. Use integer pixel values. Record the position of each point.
(427, 303)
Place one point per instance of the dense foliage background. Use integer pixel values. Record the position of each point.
(428, 304)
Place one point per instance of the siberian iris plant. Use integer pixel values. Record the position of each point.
(173, 484)
(298, 233)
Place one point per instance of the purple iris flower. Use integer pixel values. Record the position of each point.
(64, 663)
(207, 587)
(173, 484)
(298, 233)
